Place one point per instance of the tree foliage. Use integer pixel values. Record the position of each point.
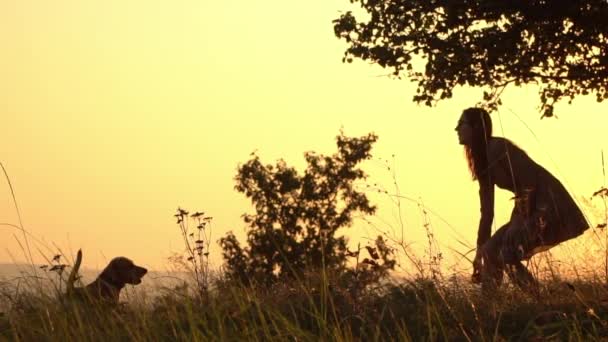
(561, 46)
(297, 215)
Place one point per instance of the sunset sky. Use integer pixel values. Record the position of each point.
(114, 113)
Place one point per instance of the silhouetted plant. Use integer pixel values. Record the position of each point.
(368, 271)
(489, 44)
(297, 216)
(55, 265)
(196, 232)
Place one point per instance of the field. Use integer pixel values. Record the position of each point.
(319, 306)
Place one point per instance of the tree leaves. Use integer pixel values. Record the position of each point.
(562, 47)
(297, 215)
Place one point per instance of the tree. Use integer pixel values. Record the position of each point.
(561, 46)
(297, 216)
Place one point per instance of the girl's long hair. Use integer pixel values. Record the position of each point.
(477, 152)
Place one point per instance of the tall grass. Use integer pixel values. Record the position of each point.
(428, 305)
(317, 308)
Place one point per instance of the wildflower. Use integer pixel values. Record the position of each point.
(603, 192)
(58, 268)
(372, 252)
(352, 253)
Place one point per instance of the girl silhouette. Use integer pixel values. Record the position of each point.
(543, 216)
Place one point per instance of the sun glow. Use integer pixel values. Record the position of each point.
(116, 113)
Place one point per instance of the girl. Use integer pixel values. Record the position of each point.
(544, 213)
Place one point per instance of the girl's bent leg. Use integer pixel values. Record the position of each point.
(493, 265)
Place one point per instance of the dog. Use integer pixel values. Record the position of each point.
(106, 288)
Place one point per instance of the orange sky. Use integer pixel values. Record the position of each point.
(115, 113)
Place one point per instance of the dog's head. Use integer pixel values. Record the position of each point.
(121, 271)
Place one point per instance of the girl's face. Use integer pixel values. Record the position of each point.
(465, 131)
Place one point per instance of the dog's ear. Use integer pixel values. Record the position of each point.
(113, 273)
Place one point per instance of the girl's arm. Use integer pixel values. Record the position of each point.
(486, 198)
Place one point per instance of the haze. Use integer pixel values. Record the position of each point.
(115, 113)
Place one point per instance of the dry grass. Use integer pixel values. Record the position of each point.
(317, 308)
(429, 304)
